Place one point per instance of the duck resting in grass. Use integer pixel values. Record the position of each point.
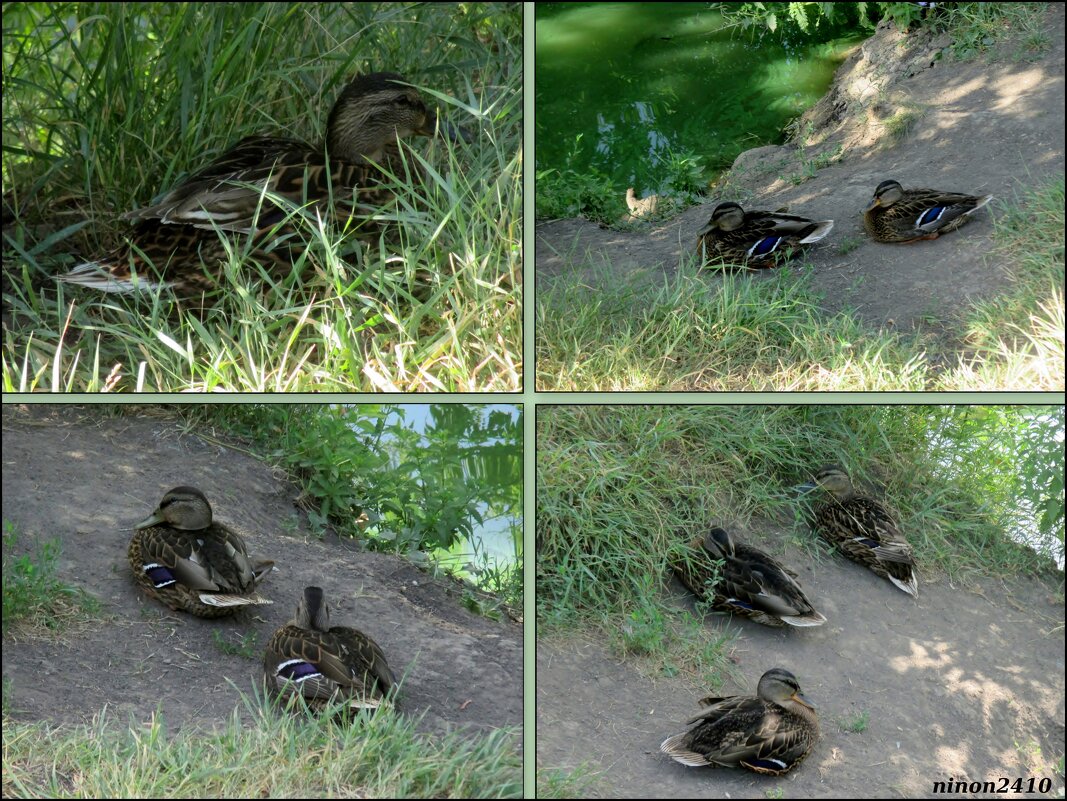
(256, 187)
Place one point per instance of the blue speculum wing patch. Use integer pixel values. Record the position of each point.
(297, 671)
(159, 576)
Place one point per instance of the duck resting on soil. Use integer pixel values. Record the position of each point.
(755, 239)
(182, 557)
(232, 194)
(751, 583)
(896, 214)
(771, 733)
(325, 664)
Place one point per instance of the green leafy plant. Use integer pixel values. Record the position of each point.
(367, 473)
(33, 594)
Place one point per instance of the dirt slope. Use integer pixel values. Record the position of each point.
(991, 125)
(86, 479)
(957, 683)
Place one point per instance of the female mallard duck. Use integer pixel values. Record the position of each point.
(896, 214)
(187, 561)
(751, 583)
(771, 733)
(863, 528)
(640, 206)
(324, 663)
(755, 238)
(173, 236)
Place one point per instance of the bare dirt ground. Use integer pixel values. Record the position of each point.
(959, 683)
(992, 125)
(86, 479)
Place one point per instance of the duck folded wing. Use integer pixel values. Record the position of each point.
(235, 193)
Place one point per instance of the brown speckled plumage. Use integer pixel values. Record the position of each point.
(896, 214)
(864, 529)
(323, 663)
(181, 557)
(173, 236)
(771, 733)
(751, 583)
(755, 239)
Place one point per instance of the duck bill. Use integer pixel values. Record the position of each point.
(800, 699)
(804, 489)
(436, 126)
(153, 519)
(875, 203)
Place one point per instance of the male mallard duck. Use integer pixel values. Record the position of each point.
(751, 584)
(863, 528)
(187, 561)
(896, 214)
(771, 733)
(177, 233)
(326, 663)
(755, 238)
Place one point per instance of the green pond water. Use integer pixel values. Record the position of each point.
(640, 81)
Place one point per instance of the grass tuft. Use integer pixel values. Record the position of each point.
(34, 599)
(855, 724)
(693, 334)
(379, 756)
(245, 645)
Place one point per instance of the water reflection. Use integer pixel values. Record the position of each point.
(642, 81)
(485, 442)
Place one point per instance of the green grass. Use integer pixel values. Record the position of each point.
(855, 724)
(899, 126)
(105, 106)
(622, 488)
(661, 642)
(809, 168)
(687, 333)
(34, 599)
(692, 334)
(848, 244)
(559, 783)
(1017, 340)
(278, 755)
(244, 645)
(977, 28)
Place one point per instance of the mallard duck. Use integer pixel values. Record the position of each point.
(325, 663)
(896, 214)
(755, 238)
(640, 207)
(863, 529)
(752, 583)
(180, 556)
(771, 733)
(173, 236)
